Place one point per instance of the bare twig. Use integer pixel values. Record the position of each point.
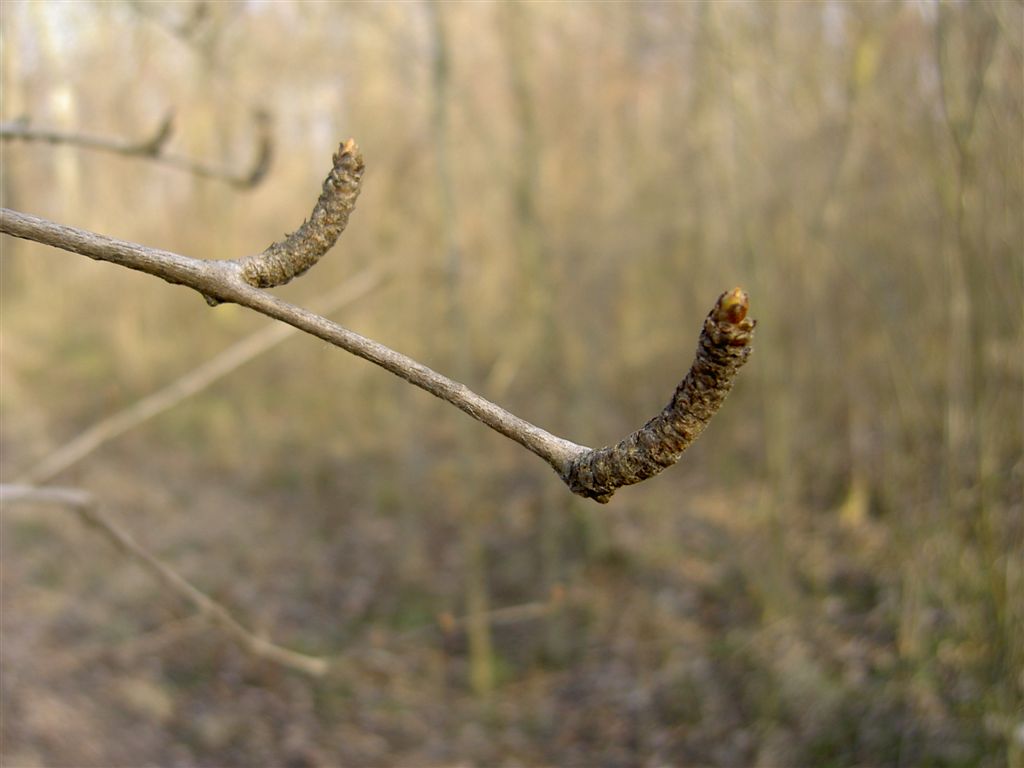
(222, 281)
(724, 342)
(154, 148)
(192, 382)
(447, 624)
(22, 130)
(85, 505)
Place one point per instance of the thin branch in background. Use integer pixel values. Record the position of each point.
(240, 179)
(85, 505)
(192, 382)
(723, 347)
(511, 614)
(22, 130)
(154, 148)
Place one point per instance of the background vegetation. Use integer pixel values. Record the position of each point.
(831, 576)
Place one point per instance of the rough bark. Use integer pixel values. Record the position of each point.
(723, 348)
(22, 130)
(304, 247)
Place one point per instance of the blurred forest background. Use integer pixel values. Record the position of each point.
(558, 192)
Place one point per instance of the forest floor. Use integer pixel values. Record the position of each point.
(700, 633)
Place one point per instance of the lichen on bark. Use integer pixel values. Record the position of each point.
(724, 346)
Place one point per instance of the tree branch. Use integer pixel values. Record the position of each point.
(22, 130)
(723, 347)
(154, 148)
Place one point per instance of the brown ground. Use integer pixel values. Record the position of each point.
(684, 641)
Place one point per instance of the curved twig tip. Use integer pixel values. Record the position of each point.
(305, 246)
(723, 348)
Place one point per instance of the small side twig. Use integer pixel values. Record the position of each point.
(85, 505)
(299, 251)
